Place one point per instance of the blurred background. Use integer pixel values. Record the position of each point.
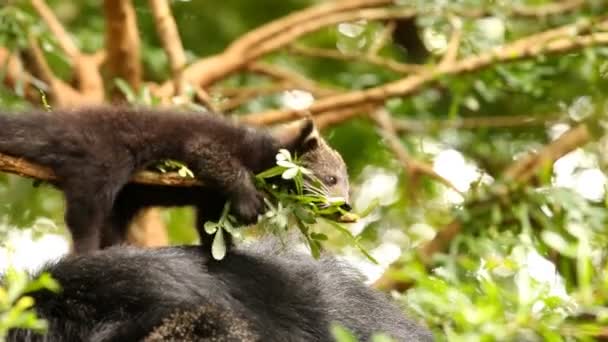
(479, 133)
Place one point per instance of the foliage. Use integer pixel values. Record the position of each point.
(287, 208)
(16, 306)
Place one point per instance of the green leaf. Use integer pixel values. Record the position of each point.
(211, 227)
(290, 173)
(272, 172)
(318, 236)
(305, 215)
(126, 90)
(342, 334)
(218, 248)
(371, 207)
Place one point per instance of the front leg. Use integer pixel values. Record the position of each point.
(224, 172)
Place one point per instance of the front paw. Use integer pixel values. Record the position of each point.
(247, 205)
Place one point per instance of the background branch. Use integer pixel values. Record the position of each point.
(170, 39)
(548, 42)
(122, 42)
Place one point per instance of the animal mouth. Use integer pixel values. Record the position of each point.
(346, 207)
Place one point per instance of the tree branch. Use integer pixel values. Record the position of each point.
(555, 41)
(211, 69)
(170, 39)
(521, 171)
(265, 32)
(547, 9)
(401, 68)
(24, 168)
(412, 166)
(63, 38)
(122, 42)
(61, 93)
(420, 126)
(288, 75)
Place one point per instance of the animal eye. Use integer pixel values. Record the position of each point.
(331, 180)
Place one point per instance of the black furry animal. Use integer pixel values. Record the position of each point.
(95, 151)
(261, 293)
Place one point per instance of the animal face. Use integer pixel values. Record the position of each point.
(325, 163)
(327, 166)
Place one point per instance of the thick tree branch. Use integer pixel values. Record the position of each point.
(265, 32)
(63, 38)
(170, 39)
(15, 77)
(24, 168)
(86, 67)
(122, 42)
(211, 69)
(299, 81)
(61, 93)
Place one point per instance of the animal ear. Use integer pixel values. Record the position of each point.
(310, 144)
(294, 134)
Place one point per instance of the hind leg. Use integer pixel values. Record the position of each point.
(84, 217)
(89, 201)
(124, 209)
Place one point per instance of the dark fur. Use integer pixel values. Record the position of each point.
(260, 293)
(95, 151)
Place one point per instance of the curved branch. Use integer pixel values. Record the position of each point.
(252, 38)
(209, 70)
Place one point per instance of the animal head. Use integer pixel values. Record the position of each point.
(326, 164)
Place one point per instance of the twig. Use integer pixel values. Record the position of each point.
(240, 96)
(411, 165)
(122, 42)
(402, 68)
(170, 39)
(38, 65)
(288, 75)
(451, 54)
(525, 168)
(380, 41)
(547, 9)
(333, 118)
(420, 126)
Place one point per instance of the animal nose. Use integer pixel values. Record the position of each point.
(346, 207)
